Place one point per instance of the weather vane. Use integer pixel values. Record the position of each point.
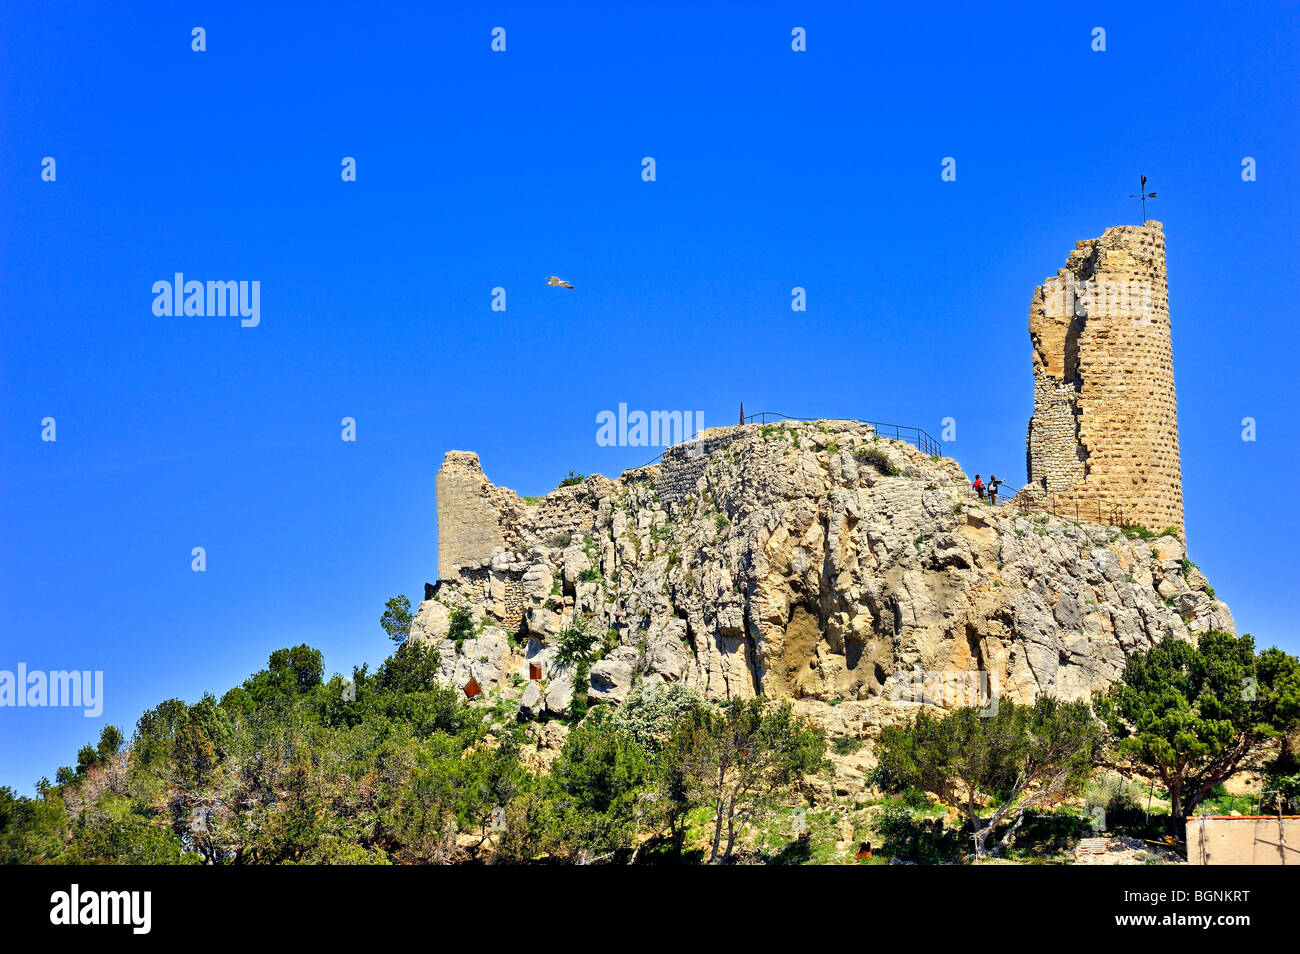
(1143, 194)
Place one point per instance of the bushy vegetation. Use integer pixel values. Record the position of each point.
(397, 619)
(1192, 714)
(461, 626)
(1186, 715)
(576, 647)
(392, 767)
(1282, 780)
(994, 766)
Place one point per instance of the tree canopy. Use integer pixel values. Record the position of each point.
(1191, 714)
(993, 766)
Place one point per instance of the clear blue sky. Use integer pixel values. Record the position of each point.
(476, 169)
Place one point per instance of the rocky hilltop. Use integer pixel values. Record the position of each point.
(813, 561)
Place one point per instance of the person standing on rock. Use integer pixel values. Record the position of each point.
(978, 486)
(994, 484)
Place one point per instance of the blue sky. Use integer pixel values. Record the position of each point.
(478, 169)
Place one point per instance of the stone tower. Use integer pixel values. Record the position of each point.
(1104, 434)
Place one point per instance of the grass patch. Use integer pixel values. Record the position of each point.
(845, 745)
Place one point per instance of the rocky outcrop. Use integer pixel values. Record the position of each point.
(811, 561)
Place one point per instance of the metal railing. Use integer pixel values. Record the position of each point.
(918, 438)
(1069, 506)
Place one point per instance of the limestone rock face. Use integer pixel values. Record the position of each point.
(530, 703)
(816, 562)
(486, 659)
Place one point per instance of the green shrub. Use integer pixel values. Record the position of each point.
(575, 642)
(875, 457)
(461, 628)
(895, 822)
(845, 745)
(397, 619)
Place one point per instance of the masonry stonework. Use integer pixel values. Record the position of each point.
(469, 514)
(1103, 438)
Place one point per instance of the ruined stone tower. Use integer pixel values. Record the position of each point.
(469, 514)
(1104, 433)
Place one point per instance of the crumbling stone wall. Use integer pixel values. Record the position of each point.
(683, 464)
(470, 511)
(1104, 433)
(476, 519)
(499, 587)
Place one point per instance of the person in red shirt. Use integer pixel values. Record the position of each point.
(978, 486)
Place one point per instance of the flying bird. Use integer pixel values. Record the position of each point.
(555, 282)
